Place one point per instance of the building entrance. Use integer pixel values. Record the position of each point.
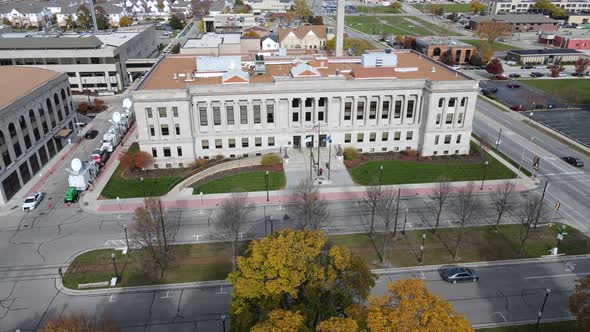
(297, 142)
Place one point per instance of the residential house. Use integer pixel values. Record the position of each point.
(304, 36)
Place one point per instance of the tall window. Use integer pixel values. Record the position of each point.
(165, 130)
(372, 137)
(167, 152)
(295, 117)
(409, 135)
(216, 116)
(179, 151)
(205, 144)
(447, 139)
(458, 139)
(175, 111)
(218, 143)
(270, 114)
(231, 142)
(308, 116)
(154, 153)
(360, 137)
(257, 141)
(460, 118)
(463, 101)
(397, 135)
(271, 141)
(243, 114)
(385, 110)
(360, 108)
(152, 130)
(203, 116)
(347, 110)
(256, 113)
(449, 119)
(397, 113)
(177, 128)
(347, 138)
(436, 139)
(438, 117)
(410, 110)
(162, 112)
(230, 114)
(245, 142)
(295, 102)
(384, 136)
(149, 112)
(373, 110)
(441, 102)
(452, 102)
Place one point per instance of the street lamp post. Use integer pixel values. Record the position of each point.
(142, 188)
(485, 168)
(531, 116)
(115, 266)
(223, 322)
(405, 220)
(266, 179)
(547, 292)
(422, 248)
(126, 237)
(380, 177)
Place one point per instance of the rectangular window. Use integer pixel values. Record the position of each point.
(447, 139)
(410, 110)
(231, 142)
(154, 153)
(216, 115)
(385, 110)
(167, 152)
(438, 117)
(360, 137)
(463, 101)
(149, 113)
(360, 108)
(347, 138)
(441, 102)
(436, 139)
(152, 130)
(295, 116)
(384, 136)
(308, 102)
(460, 118)
(243, 114)
(256, 114)
(257, 141)
(307, 116)
(452, 102)
(373, 110)
(162, 112)
(165, 131)
(449, 118)
(322, 102)
(179, 152)
(203, 116)
(229, 109)
(270, 113)
(347, 110)
(372, 137)
(177, 128)
(271, 141)
(245, 142)
(397, 113)
(295, 103)
(218, 144)
(458, 139)
(175, 111)
(409, 135)
(320, 116)
(397, 135)
(205, 144)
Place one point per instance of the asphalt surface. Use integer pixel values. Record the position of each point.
(573, 123)
(526, 96)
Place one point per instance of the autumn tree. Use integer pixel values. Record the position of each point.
(297, 271)
(555, 72)
(79, 322)
(532, 207)
(582, 65)
(440, 194)
(477, 7)
(485, 52)
(175, 49)
(548, 8)
(579, 303)
(6, 21)
(301, 9)
(337, 324)
(150, 229)
(309, 208)
(125, 21)
(85, 18)
(437, 10)
(503, 200)
(316, 20)
(371, 200)
(494, 67)
(280, 321)
(201, 25)
(447, 58)
(396, 5)
(465, 204)
(492, 30)
(231, 221)
(176, 22)
(409, 306)
(134, 159)
(387, 209)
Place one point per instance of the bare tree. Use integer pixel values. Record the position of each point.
(371, 201)
(309, 207)
(440, 193)
(532, 207)
(503, 200)
(231, 221)
(149, 230)
(387, 210)
(464, 205)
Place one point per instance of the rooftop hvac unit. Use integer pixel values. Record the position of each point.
(259, 65)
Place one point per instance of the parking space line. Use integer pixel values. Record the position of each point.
(558, 275)
(112, 299)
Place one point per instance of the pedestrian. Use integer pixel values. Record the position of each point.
(321, 171)
(327, 166)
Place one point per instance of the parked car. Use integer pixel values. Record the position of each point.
(500, 77)
(540, 67)
(514, 86)
(537, 74)
(457, 274)
(71, 195)
(31, 202)
(578, 74)
(517, 108)
(539, 106)
(526, 67)
(576, 162)
(511, 63)
(91, 134)
(514, 75)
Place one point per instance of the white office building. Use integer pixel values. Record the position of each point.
(523, 6)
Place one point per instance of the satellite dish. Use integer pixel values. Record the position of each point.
(127, 103)
(116, 117)
(76, 164)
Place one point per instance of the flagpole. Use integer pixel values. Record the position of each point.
(319, 148)
(329, 158)
(310, 163)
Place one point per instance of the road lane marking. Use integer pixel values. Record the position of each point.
(112, 299)
(569, 207)
(167, 295)
(558, 275)
(501, 315)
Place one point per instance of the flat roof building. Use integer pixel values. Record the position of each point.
(434, 47)
(544, 56)
(523, 6)
(220, 44)
(519, 23)
(191, 107)
(36, 115)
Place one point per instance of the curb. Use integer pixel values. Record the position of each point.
(524, 322)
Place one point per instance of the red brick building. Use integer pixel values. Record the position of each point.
(576, 43)
(519, 22)
(434, 47)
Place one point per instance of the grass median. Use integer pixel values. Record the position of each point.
(212, 261)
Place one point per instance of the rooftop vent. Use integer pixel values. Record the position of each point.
(433, 69)
(259, 65)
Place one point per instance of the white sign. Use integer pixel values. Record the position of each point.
(559, 237)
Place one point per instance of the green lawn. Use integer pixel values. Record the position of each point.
(370, 25)
(130, 188)
(566, 326)
(378, 10)
(396, 25)
(448, 8)
(247, 181)
(563, 87)
(404, 172)
(212, 261)
(496, 46)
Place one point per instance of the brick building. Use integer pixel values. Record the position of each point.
(519, 23)
(434, 47)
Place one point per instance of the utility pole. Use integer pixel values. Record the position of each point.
(318, 148)
(541, 204)
(162, 223)
(329, 158)
(399, 191)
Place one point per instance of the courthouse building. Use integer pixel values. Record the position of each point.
(191, 107)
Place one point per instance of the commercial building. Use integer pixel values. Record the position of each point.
(94, 62)
(519, 23)
(544, 56)
(579, 17)
(228, 23)
(191, 107)
(220, 44)
(523, 6)
(270, 5)
(36, 115)
(571, 42)
(304, 36)
(434, 47)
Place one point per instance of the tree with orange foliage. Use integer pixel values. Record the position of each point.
(251, 34)
(281, 321)
(125, 21)
(409, 306)
(134, 159)
(79, 322)
(493, 30)
(83, 107)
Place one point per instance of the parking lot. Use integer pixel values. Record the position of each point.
(528, 97)
(573, 124)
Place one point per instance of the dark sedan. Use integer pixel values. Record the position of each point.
(576, 162)
(457, 274)
(91, 134)
(514, 75)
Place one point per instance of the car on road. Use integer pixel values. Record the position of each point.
(457, 274)
(540, 67)
(91, 134)
(537, 74)
(526, 67)
(517, 108)
(500, 77)
(576, 162)
(514, 85)
(511, 63)
(514, 75)
(578, 74)
(31, 202)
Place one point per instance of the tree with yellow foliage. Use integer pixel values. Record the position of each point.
(281, 321)
(410, 307)
(125, 21)
(298, 271)
(477, 6)
(337, 324)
